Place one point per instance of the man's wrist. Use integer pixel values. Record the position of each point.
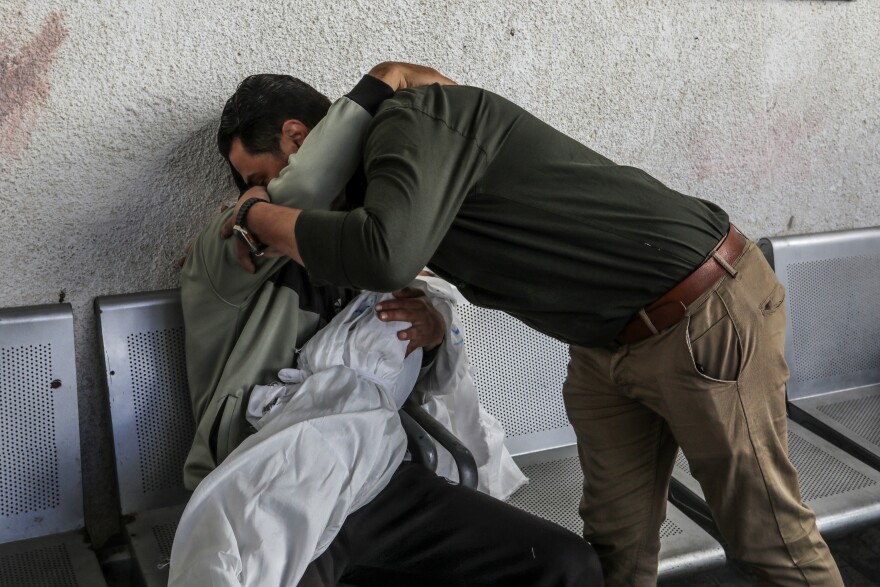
(247, 237)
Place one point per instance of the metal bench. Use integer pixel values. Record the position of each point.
(519, 374)
(833, 351)
(142, 343)
(41, 508)
(832, 283)
(842, 491)
(142, 340)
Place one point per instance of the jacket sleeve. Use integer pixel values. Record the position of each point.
(312, 179)
(419, 171)
(329, 156)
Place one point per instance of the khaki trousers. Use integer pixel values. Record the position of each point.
(713, 384)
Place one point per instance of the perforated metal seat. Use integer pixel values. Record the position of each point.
(843, 491)
(151, 537)
(519, 374)
(833, 333)
(41, 513)
(144, 359)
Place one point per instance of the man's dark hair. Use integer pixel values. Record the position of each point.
(258, 109)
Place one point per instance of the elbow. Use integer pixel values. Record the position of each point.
(388, 276)
(386, 263)
(383, 70)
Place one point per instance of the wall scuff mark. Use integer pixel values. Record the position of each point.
(24, 83)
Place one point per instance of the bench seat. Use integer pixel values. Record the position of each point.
(519, 374)
(554, 492)
(833, 333)
(142, 344)
(42, 541)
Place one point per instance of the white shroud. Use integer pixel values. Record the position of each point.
(328, 441)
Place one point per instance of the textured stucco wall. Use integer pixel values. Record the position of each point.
(108, 108)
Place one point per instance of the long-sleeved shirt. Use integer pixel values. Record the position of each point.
(242, 328)
(519, 216)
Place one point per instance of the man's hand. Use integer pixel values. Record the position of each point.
(182, 261)
(408, 75)
(410, 305)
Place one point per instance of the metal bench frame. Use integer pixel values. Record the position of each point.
(833, 333)
(519, 373)
(41, 530)
(142, 347)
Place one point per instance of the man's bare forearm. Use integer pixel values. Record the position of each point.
(275, 226)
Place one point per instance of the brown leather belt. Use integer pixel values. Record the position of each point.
(671, 308)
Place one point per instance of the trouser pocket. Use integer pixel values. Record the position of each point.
(713, 342)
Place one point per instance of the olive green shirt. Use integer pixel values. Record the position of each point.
(519, 216)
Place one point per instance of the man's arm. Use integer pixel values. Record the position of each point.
(419, 171)
(332, 151)
(329, 156)
(324, 164)
(317, 174)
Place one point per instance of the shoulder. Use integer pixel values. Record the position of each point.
(473, 113)
(436, 101)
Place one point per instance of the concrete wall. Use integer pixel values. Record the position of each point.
(108, 109)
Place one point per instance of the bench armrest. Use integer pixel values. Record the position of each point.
(464, 460)
(419, 444)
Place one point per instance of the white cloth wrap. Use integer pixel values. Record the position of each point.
(448, 393)
(328, 441)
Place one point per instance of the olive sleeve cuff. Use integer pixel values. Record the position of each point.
(369, 93)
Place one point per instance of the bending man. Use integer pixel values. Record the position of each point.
(242, 328)
(674, 318)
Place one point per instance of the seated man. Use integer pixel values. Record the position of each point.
(419, 529)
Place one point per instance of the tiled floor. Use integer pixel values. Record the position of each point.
(857, 556)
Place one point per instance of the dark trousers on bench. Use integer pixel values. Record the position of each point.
(713, 384)
(422, 530)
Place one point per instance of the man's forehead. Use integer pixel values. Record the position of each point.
(238, 156)
(254, 169)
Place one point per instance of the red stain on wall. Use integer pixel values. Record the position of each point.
(759, 147)
(24, 83)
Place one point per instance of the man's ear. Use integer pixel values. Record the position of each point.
(293, 133)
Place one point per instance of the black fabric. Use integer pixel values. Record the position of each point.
(324, 300)
(356, 189)
(422, 530)
(369, 93)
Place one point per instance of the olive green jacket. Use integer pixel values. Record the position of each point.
(242, 328)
